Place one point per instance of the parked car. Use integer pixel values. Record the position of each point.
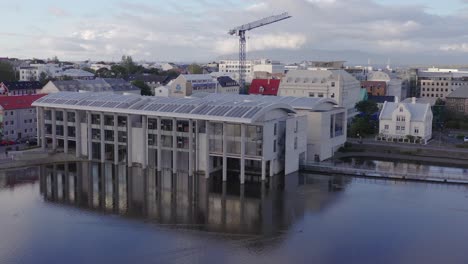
(465, 139)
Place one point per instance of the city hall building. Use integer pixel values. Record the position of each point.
(189, 135)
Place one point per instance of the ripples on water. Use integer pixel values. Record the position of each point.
(104, 213)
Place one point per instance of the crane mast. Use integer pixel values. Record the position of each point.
(240, 32)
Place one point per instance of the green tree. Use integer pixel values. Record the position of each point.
(195, 69)
(144, 88)
(7, 73)
(130, 66)
(119, 71)
(368, 108)
(43, 78)
(361, 126)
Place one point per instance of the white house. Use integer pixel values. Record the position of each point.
(405, 122)
(188, 84)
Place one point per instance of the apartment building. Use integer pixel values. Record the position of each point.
(232, 67)
(437, 83)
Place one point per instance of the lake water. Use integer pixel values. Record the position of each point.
(95, 213)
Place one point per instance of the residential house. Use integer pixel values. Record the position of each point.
(18, 117)
(457, 101)
(405, 122)
(20, 88)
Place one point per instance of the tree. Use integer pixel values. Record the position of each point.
(119, 71)
(43, 78)
(361, 126)
(130, 66)
(144, 88)
(7, 73)
(195, 69)
(368, 108)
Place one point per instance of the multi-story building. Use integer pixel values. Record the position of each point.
(392, 81)
(33, 71)
(188, 84)
(251, 66)
(173, 134)
(406, 121)
(333, 84)
(20, 88)
(96, 85)
(326, 121)
(438, 83)
(375, 88)
(457, 101)
(18, 117)
(227, 85)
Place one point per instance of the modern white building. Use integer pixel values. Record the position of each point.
(333, 84)
(33, 71)
(189, 84)
(195, 135)
(405, 122)
(326, 121)
(232, 67)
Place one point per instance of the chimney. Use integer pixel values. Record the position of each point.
(413, 100)
(397, 100)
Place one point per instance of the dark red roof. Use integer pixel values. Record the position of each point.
(19, 101)
(265, 86)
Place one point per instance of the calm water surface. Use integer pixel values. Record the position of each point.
(94, 213)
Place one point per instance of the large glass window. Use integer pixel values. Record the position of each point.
(96, 119)
(109, 135)
(122, 136)
(96, 151)
(182, 126)
(166, 124)
(96, 134)
(70, 117)
(152, 140)
(339, 124)
(71, 132)
(59, 115)
(48, 129)
(166, 141)
(59, 130)
(122, 121)
(109, 120)
(152, 123)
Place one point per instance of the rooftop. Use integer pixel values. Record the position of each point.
(230, 108)
(22, 85)
(264, 86)
(18, 102)
(461, 92)
(418, 110)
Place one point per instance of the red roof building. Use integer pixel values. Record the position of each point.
(265, 86)
(375, 88)
(18, 102)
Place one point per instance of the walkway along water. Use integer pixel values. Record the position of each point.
(332, 169)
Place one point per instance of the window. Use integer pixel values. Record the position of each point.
(275, 129)
(274, 145)
(402, 128)
(295, 143)
(311, 94)
(386, 127)
(416, 130)
(398, 128)
(333, 84)
(401, 109)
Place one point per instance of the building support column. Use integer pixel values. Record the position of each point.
(242, 163)
(144, 124)
(272, 163)
(159, 145)
(224, 152)
(129, 142)
(65, 132)
(197, 146)
(102, 137)
(41, 128)
(190, 148)
(174, 146)
(54, 129)
(90, 136)
(116, 140)
(207, 151)
(264, 170)
(77, 134)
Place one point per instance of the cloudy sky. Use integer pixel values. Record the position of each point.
(196, 30)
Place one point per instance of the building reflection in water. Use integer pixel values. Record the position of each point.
(12, 178)
(178, 200)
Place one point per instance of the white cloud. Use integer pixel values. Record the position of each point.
(462, 47)
(263, 42)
